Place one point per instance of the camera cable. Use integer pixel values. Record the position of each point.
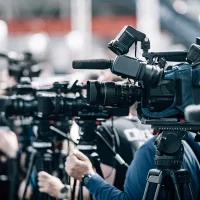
(118, 158)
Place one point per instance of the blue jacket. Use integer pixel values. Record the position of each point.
(137, 173)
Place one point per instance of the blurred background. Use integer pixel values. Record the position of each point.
(59, 31)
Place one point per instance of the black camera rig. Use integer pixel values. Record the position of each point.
(52, 102)
(163, 91)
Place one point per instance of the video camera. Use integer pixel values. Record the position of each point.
(163, 91)
(52, 102)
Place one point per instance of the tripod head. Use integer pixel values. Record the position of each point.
(88, 127)
(168, 160)
(169, 147)
(169, 150)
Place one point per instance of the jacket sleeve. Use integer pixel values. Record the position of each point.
(102, 190)
(135, 178)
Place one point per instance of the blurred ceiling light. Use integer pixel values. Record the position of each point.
(180, 7)
(38, 42)
(3, 30)
(74, 40)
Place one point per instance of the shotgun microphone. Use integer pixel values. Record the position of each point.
(99, 64)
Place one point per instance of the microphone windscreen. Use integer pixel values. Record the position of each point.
(92, 64)
(192, 113)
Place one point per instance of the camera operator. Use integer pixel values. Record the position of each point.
(79, 167)
(151, 92)
(125, 135)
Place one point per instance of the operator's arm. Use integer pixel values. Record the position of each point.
(102, 190)
(135, 178)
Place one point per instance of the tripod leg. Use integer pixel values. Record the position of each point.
(191, 191)
(146, 191)
(80, 193)
(174, 180)
(44, 162)
(181, 189)
(157, 191)
(98, 168)
(177, 191)
(156, 177)
(74, 190)
(31, 164)
(12, 169)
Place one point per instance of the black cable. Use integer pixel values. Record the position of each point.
(62, 134)
(117, 139)
(73, 192)
(113, 137)
(12, 168)
(117, 156)
(27, 179)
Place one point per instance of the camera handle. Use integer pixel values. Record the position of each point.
(168, 172)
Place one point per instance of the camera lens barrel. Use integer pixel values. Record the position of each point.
(112, 94)
(109, 90)
(18, 105)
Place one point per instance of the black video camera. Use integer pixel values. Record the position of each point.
(162, 91)
(53, 103)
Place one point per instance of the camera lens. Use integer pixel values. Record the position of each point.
(112, 94)
(18, 105)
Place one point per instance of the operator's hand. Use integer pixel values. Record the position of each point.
(8, 142)
(49, 184)
(77, 165)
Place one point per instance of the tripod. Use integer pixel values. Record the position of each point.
(88, 147)
(168, 175)
(41, 157)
